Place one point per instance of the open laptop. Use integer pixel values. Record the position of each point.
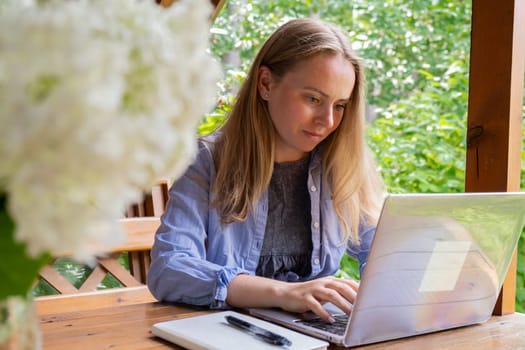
(437, 261)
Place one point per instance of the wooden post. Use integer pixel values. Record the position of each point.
(497, 60)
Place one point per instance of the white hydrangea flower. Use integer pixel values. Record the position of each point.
(98, 100)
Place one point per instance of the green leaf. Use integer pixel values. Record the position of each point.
(349, 268)
(18, 271)
(43, 87)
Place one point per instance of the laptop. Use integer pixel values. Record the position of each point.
(437, 262)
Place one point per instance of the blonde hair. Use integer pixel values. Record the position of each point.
(244, 154)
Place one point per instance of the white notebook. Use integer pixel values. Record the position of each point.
(211, 331)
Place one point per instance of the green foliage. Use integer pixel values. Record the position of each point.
(214, 119)
(16, 267)
(520, 278)
(416, 53)
(419, 141)
(349, 268)
(401, 40)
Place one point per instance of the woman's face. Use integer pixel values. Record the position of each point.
(307, 103)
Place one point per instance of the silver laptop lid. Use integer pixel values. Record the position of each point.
(437, 261)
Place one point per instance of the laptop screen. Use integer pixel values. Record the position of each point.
(437, 261)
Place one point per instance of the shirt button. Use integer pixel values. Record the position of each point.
(313, 188)
(316, 224)
(316, 261)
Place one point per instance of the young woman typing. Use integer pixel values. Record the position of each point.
(281, 191)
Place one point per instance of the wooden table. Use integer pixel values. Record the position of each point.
(128, 327)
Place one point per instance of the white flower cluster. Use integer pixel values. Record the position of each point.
(98, 100)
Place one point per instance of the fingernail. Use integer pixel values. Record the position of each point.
(331, 319)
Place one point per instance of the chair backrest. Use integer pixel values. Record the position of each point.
(154, 202)
(153, 205)
(140, 235)
(140, 226)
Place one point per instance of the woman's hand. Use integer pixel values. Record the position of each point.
(254, 291)
(311, 295)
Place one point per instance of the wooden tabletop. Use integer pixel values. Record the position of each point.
(128, 327)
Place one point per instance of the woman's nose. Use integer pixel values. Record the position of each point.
(326, 117)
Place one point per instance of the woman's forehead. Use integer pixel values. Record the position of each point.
(331, 74)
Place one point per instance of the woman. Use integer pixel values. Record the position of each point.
(264, 215)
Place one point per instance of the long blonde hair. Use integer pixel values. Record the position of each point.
(244, 154)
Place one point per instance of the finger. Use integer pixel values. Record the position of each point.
(327, 291)
(353, 284)
(317, 308)
(349, 282)
(334, 297)
(346, 288)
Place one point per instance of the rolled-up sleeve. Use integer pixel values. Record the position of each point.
(179, 269)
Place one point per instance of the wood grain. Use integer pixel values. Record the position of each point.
(128, 327)
(497, 60)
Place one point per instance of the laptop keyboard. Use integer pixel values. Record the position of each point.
(338, 327)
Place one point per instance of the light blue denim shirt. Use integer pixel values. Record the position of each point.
(195, 256)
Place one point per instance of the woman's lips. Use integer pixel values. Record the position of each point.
(313, 135)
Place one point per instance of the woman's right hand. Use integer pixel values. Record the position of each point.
(311, 295)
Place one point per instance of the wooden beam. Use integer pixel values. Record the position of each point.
(167, 3)
(218, 4)
(497, 60)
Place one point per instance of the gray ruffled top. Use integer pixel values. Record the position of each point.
(287, 245)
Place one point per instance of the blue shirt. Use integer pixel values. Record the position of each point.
(195, 256)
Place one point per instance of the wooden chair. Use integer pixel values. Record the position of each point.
(140, 227)
(153, 205)
(54, 304)
(140, 235)
(154, 202)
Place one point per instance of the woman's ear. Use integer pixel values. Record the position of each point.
(264, 82)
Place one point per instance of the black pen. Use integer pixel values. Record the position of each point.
(261, 333)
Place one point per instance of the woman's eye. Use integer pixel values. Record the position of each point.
(313, 99)
(340, 107)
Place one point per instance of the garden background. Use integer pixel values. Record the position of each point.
(416, 54)
(417, 58)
